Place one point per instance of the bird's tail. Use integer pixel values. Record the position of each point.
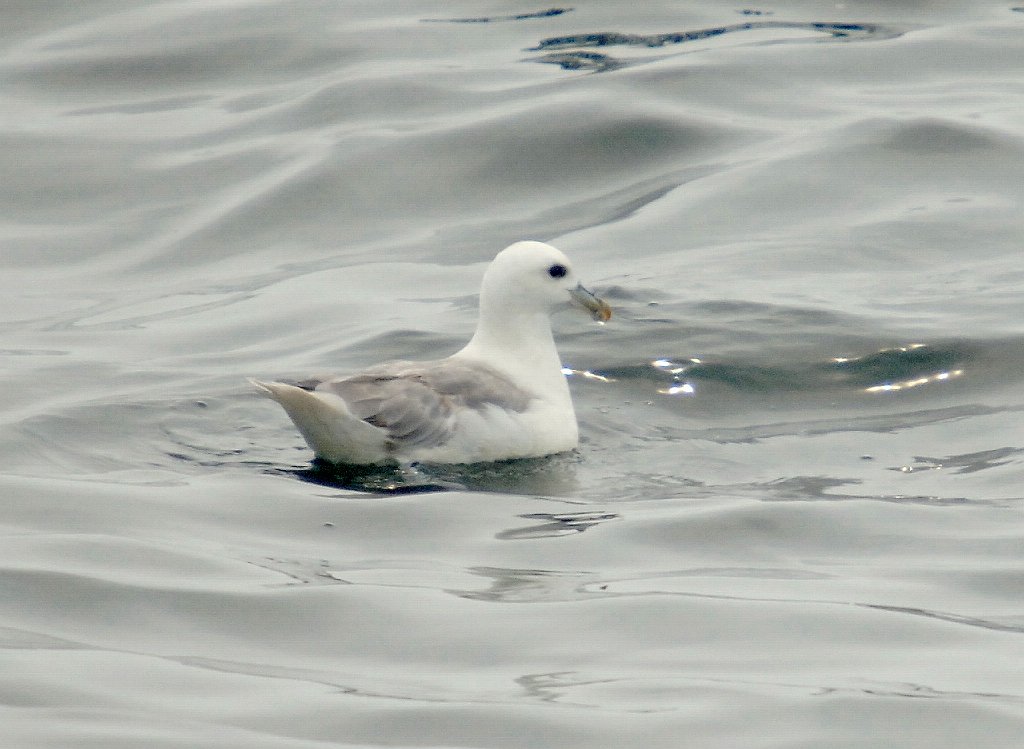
(327, 424)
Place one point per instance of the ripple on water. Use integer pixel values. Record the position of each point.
(579, 57)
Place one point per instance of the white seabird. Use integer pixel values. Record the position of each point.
(502, 396)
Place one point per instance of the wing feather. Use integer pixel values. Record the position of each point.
(417, 404)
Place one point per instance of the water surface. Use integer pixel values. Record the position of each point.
(795, 516)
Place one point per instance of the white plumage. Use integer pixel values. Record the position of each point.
(502, 396)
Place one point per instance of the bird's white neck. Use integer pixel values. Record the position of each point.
(521, 346)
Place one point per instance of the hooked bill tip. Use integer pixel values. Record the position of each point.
(598, 308)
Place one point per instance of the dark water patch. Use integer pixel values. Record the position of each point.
(549, 13)
(903, 367)
(889, 370)
(575, 59)
(968, 463)
(595, 62)
(905, 361)
(555, 525)
(378, 480)
(955, 367)
(551, 475)
(604, 39)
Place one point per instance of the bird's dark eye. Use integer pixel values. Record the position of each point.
(557, 270)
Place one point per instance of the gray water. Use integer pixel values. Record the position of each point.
(795, 516)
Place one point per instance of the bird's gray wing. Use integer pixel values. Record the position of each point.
(417, 403)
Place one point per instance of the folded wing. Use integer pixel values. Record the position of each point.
(418, 404)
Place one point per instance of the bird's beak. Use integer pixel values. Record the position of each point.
(597, 308)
